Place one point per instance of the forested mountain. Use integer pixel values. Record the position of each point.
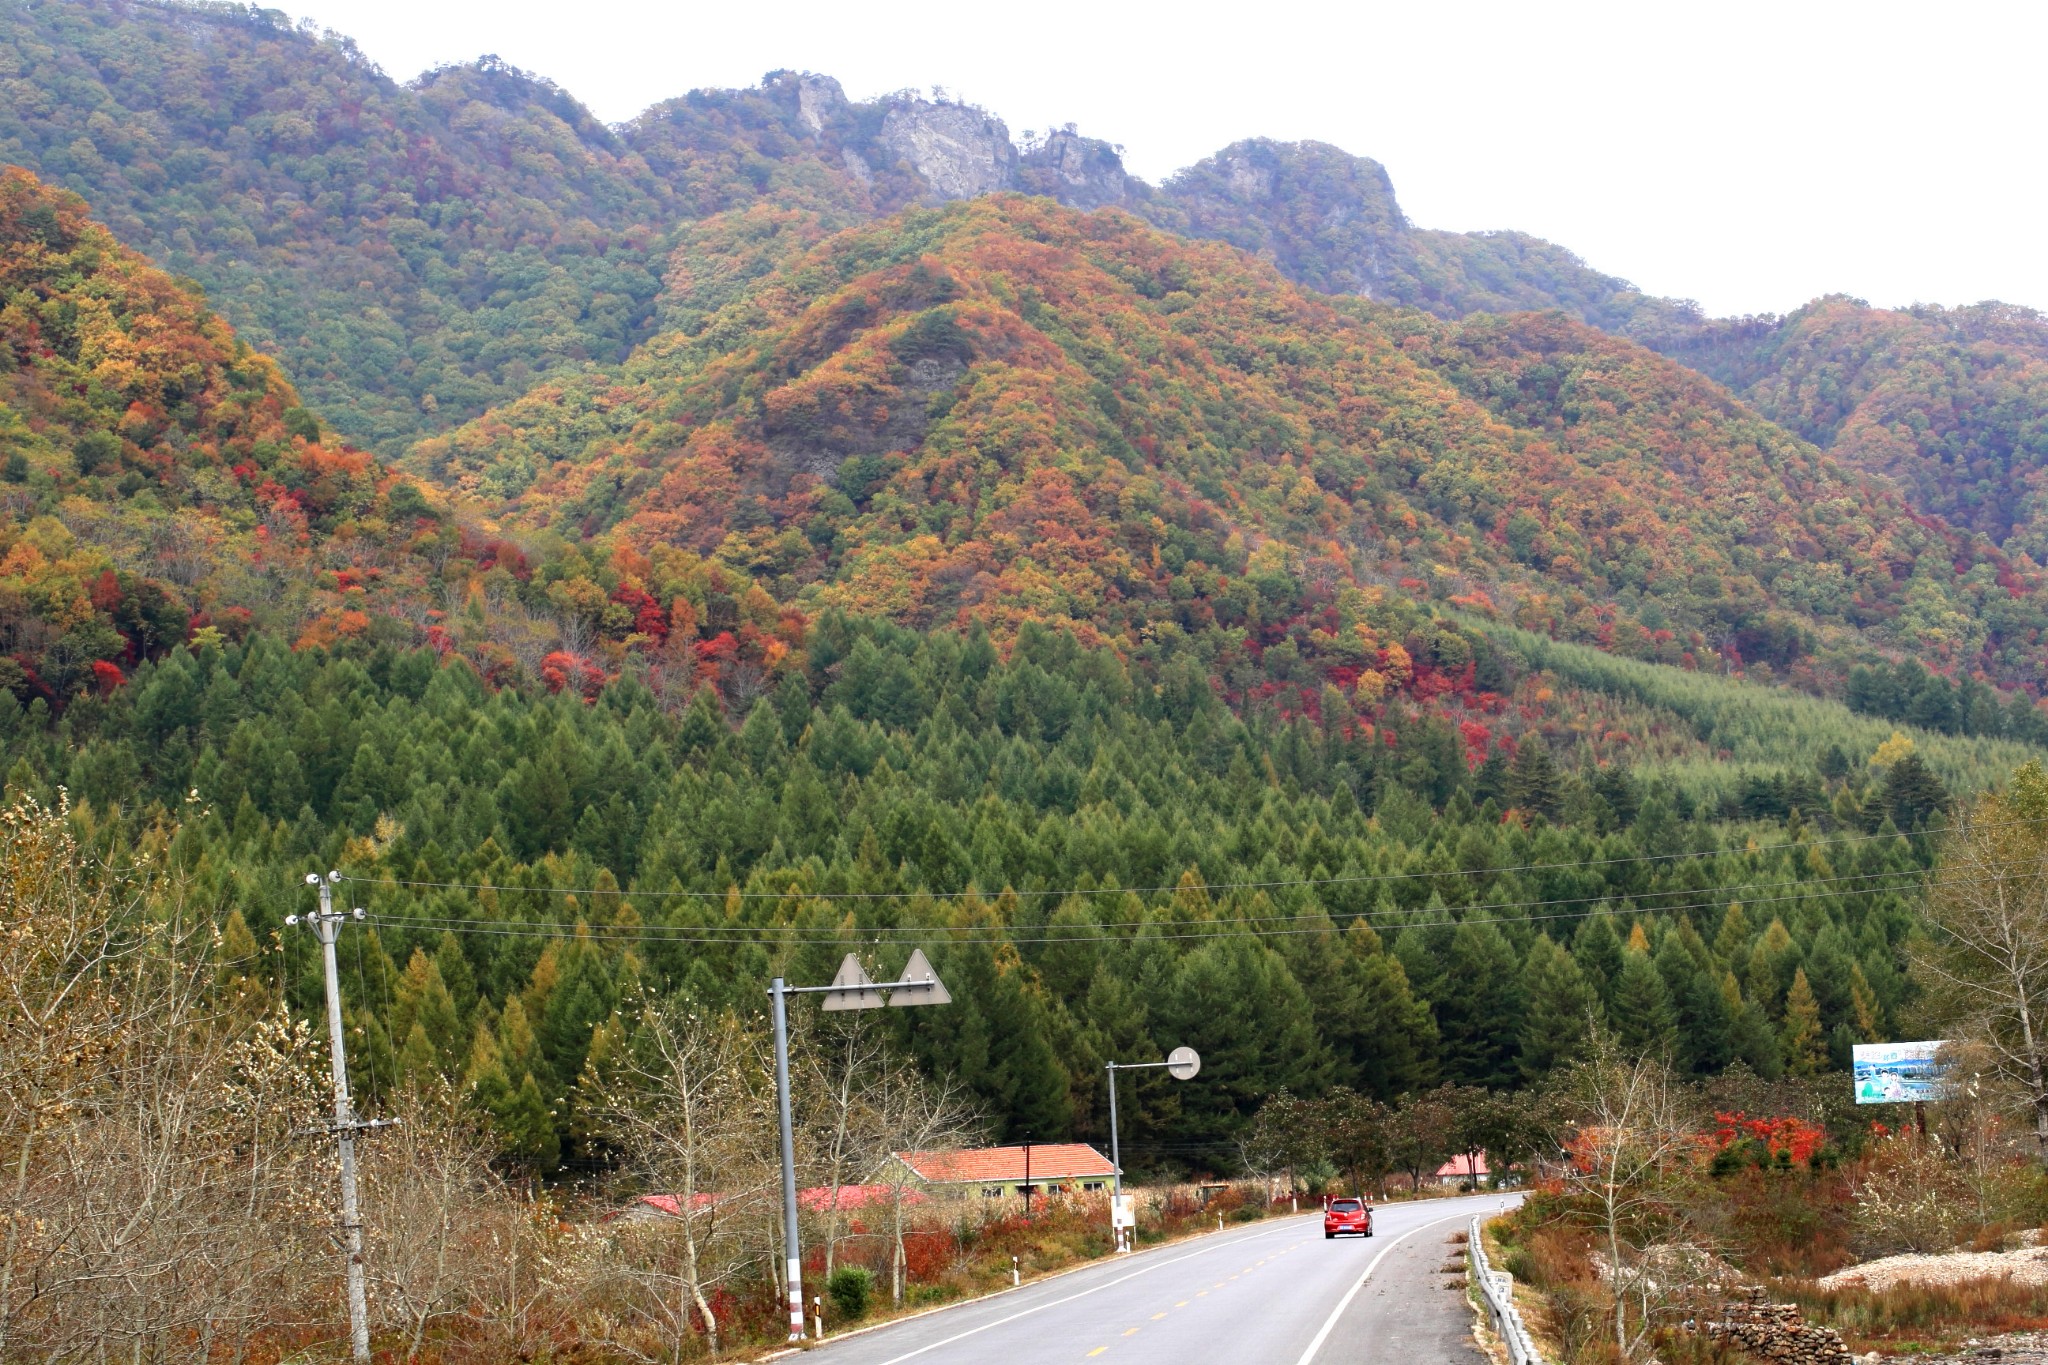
(1952, 403)
(1005, 409)
(415, 253)
(418, 253)
(816, 538)
(404, 249)
(164, 485)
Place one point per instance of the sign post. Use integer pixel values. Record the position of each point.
(1183, 1064)
(851, 989)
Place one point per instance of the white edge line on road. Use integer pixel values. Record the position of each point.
(1330, 1323)
(1106, 1284)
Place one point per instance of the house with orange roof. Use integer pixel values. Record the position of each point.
(1043, 1168)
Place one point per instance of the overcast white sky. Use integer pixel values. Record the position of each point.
(1749, 155)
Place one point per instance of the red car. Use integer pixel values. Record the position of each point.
(1347, 1215)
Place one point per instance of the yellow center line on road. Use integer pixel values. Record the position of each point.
(1133, 1332)
(1182, 1304)
(1157, 1316)
(1098, 1351)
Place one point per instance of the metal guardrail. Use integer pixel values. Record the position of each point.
(1497, 1289)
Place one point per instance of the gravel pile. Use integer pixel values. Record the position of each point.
(2029, 1265)
(2016, 1348)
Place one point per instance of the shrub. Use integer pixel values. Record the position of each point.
(850, 1289)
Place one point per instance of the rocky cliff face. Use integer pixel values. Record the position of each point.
(1084, 172)
(958, 151)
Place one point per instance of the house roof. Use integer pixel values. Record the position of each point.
(1464, 1168)
(819, 1198)
(1048, 1161)
(816, 1199)
(646, 1204)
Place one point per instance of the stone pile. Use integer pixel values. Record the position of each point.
(1776, 1332)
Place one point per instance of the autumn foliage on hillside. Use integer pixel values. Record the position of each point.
(164, 486)
(1951, 402)
(1005, 410)
(161, 478)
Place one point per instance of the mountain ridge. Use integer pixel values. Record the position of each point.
(416, 252)
(964, 409)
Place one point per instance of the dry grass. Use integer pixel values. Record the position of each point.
(1917, 1314)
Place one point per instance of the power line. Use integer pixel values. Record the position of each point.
(1358, 879)
(740, 931)
(982, 934)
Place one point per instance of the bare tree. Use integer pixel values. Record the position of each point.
(840, 1062)
(693, 1115)
(441, 1221)
(1985, 967)
(1635, 1157)
(155, 1197)
(916, 1113)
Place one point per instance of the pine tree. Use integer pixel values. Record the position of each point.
(1750, 1033)
(419, 1061)
(1534, 786)
(1641, 1011)
(1805, 1048)
(1560, 1009)
(526, 1129)
(1912, 793)
(1597, 949)
(424, 1002)
(1867, 1014)
(1479, 1017)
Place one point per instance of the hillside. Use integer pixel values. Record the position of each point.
(164, 486)
(404, 250)
(160, 477)
(1003, 410)
(1952, 403)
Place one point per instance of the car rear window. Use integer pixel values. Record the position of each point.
(1343, 1206)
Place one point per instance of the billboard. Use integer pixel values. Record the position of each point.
(1899, 1073)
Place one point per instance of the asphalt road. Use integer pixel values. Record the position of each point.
(1274, 1291)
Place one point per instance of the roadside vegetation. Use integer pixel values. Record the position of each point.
(1663, 1199)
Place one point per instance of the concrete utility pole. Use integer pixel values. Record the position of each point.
(1183, 1063)
(326, 924)
(851, 989)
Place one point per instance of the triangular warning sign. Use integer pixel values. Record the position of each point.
(846, 992)
(924, 986)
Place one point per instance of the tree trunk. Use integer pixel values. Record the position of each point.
(2035, 1081)
(16, 1216)
(897, 1258)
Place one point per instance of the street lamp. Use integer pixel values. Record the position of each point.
(851, 989)
(1182, 1064)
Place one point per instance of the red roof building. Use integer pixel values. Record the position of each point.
(1463, 1167)
(819, 1198)
(1048, 1167)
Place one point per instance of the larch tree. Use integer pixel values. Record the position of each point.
(1985, 965)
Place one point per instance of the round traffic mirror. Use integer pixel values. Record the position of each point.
(1182, 1063)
